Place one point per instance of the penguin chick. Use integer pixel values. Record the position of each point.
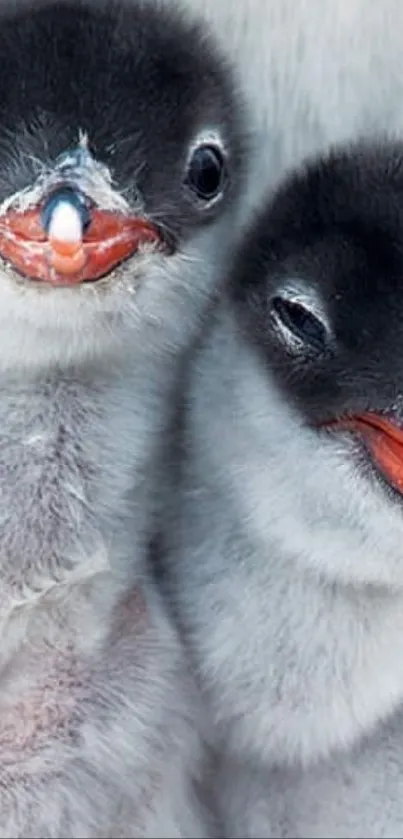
(285, 529)
(120, 153)
(314, 74)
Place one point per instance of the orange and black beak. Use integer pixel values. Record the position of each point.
(384, 439)
(66, 242)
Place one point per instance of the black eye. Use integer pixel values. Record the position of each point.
(206, 172)
(297, 323)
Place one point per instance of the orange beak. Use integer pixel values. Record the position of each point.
(110, 239)
(67, 258)
(384, 440)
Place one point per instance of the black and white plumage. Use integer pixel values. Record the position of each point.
(116, 117)
(283, 542)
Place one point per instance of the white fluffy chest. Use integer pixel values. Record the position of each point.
(57, 467)
(51, 645)
(56, 589)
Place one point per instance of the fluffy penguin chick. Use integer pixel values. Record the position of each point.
(119, 163)
(285, 536)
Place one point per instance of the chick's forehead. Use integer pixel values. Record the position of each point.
(109, 68)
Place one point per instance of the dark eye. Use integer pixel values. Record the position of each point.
(206, 172)
(298, 324)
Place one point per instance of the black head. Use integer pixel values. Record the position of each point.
(118, 122)
(144, 84)
(317, 294)
(318, 283)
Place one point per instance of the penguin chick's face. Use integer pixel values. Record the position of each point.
(119, 161)
(318, 289)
